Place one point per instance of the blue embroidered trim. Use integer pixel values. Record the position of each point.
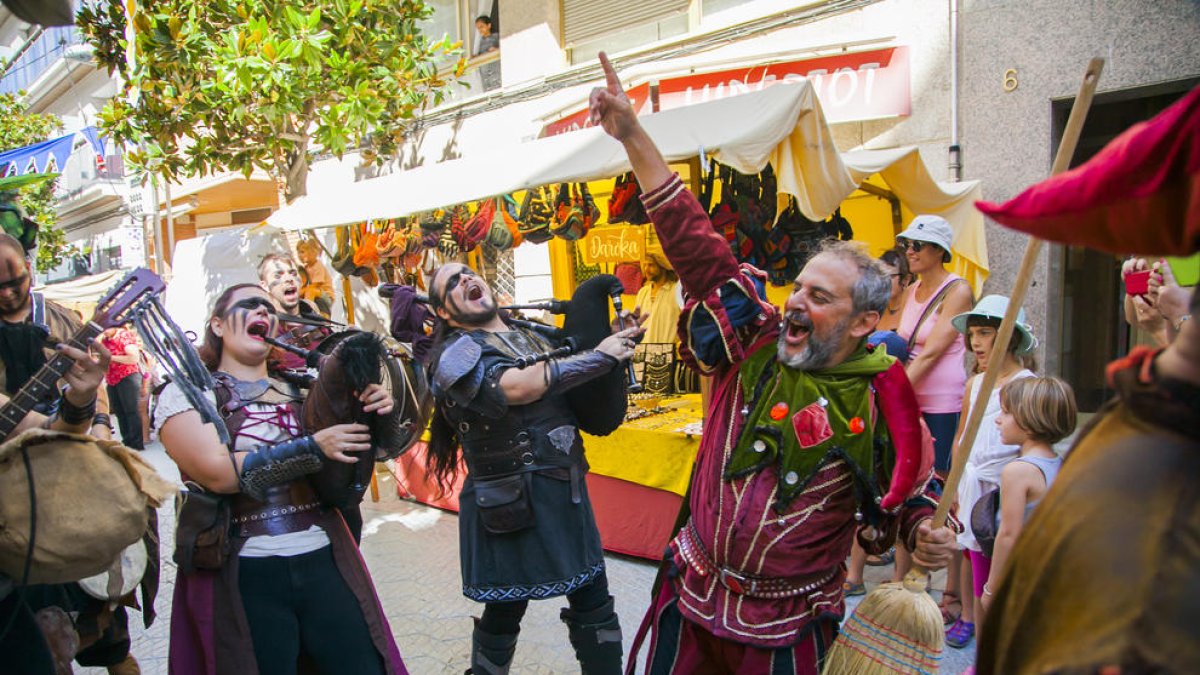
(535, 592)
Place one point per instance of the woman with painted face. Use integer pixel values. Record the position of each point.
(292, 581)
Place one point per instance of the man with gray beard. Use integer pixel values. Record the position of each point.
(808, 435)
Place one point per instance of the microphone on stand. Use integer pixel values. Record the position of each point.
(615, 293)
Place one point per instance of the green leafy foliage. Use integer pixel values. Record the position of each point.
(220, 85)
(19, 128)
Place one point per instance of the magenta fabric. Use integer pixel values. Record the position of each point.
(981, 567)
(941, 390)
(1140, 194)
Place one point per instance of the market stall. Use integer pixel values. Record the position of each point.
(765, 166)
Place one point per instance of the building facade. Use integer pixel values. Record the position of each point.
(108, 214)
(992, 78)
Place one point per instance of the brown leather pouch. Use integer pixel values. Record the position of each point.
(201, 530)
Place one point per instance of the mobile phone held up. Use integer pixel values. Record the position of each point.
(1137, 283)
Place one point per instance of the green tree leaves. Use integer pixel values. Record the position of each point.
(219, 85)
(19, 128)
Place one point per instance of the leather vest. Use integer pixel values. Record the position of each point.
(540, 436)
(288, 507)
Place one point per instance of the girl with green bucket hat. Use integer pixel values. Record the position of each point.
(988, 455)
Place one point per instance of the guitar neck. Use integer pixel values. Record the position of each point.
(44, 380)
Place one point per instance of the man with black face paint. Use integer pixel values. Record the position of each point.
(526, 528)
(808, 435)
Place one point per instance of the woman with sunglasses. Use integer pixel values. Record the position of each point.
(936, 349)
(936, 352)
(293, 582)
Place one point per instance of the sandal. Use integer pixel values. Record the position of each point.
(887, 558)
(959, 635)
(850, 590)
(951, 606)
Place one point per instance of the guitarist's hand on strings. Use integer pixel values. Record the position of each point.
(87, 374)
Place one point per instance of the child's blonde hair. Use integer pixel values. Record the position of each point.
(1044, 407)
(308, 245)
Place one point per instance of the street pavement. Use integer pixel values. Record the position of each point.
(412, 552)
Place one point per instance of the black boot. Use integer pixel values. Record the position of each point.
(491, 654)
(596, 637)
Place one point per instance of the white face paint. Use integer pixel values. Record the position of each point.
(282, 281)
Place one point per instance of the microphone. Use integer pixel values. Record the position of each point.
(615, 292)
(386, 291)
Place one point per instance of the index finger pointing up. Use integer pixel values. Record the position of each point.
(610, 76)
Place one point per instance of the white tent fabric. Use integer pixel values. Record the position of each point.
(782, 125)
(205, 266)
(82, 290)
(909, 179)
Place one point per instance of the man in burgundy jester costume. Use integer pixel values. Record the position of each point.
(809, 437)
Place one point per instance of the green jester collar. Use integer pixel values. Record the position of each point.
(799, 421)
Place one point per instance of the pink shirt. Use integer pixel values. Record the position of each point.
(941, 390)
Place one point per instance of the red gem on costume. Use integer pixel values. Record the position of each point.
(779, 411)
(857, 426)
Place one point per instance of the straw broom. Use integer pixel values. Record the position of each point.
(898, 626)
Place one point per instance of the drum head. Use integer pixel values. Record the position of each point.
(121, 577)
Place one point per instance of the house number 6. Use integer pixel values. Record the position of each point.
(1010, 79)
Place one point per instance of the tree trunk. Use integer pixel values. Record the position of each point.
(297, 179)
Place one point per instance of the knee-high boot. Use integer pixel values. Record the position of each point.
(491, 654)
(596, 637)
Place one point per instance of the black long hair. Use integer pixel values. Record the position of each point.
(441, 457)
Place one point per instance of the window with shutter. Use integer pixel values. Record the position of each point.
(587, 20)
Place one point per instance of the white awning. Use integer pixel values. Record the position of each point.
(782, 125)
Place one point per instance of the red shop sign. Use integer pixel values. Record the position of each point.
(851, 87)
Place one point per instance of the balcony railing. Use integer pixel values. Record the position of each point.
(43, 53)
(82, 172)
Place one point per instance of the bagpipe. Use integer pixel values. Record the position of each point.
(72, 503)
(346, 363)
(599, 405)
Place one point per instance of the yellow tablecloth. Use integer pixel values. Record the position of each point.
(651, 451)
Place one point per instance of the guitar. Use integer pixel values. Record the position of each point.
(116, 308)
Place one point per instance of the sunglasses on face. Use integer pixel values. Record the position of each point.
(914, 246)
(251, 304)
(14, 284)
(453, 281)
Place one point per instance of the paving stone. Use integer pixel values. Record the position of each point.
(412, 552)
